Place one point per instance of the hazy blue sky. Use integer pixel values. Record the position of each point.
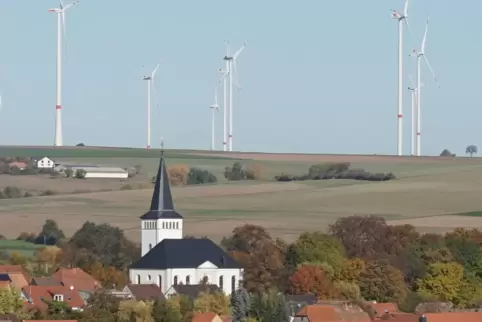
(318, 76)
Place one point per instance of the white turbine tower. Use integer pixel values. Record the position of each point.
(214, 108)
(150, 83)
(60, 12)
(401, 18)
(224, 72)
(421, 54)
(414, 93)
(231, 68)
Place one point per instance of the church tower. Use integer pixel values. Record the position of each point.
(161, 221)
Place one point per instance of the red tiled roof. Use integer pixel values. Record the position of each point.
(42, 294)
(226, 318)
(318, 313)
(204, 317)
(18, 275)
(77, 278)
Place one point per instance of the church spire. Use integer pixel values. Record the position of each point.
(162, 197)
(162, 205)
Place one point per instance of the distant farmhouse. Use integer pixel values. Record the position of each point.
(44, 163)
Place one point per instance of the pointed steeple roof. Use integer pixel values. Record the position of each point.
(162, 205)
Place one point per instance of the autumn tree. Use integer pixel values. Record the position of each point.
(48, 258)
(362, 236)
(317, 248)
(137, 310)
(101, 306)
(442, 280)
(182, 304)
(348, 291)
(382, 282)
(10, 301)
(465, 251)
(254, 172)
(260, 255)
(17, 259)
(178, 174)
(215, 302)
(350, 270)
(106, 243)
(310, 279)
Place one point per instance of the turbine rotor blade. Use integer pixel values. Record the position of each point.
(236, 76)
(431, 71)
(239, 51)
(424, 40)
(155, 71)
(405, 9)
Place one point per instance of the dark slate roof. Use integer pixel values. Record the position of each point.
(142, 292)
(185, 253)
(193, 291)
(162, 205)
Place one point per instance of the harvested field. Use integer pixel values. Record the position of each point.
(428, 190)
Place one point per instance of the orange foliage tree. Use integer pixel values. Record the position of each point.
(312, 279)
(178, 174)
(254, 172)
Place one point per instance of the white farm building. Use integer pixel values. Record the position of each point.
(93, 171)
(105, 173)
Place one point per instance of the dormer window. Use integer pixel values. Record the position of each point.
(58, 297)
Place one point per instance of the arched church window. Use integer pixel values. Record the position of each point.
(188, 280)
(175, 280)
(205, 280)
(150, 246)
(221, 282)
(177, 225)
(149, 277)
(159, 281)
(138, 279)
(233, 284)
(163, 225)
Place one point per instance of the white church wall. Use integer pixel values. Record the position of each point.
(195, 276)
(154, 231)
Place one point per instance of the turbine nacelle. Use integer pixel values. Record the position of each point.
(397, 15)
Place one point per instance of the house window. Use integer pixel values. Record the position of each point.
(159, 281)
(138, 278)
(58, 297)
(175, 280)
(233, 284)
(149, 277)
(150, 246)
(221, 282)
(188, 280)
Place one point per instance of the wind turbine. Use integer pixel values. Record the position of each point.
(60, 12)
(231, 67)
(224, 74)
(214, 108)
(150, 83)
(401, 18)
(421, 54)
(414, 93)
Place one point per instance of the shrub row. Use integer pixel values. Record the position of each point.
(336, 171)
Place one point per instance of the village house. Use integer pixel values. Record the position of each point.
(44, 163)
(168, 259)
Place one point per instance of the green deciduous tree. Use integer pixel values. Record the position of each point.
(200, 176)
(317, 248)
(270, 306)
(162, 311)
(215, 302)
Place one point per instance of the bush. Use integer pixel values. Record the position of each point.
(12, 192)
(177, 175)
(254, 172)
(28, 237)
(236, 172)
(47, 192)
(80, 174)
(199, 176)
(69, 172)
(336, 171)
(80, 144)
(447, 153)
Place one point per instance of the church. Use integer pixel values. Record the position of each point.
(168, 259)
